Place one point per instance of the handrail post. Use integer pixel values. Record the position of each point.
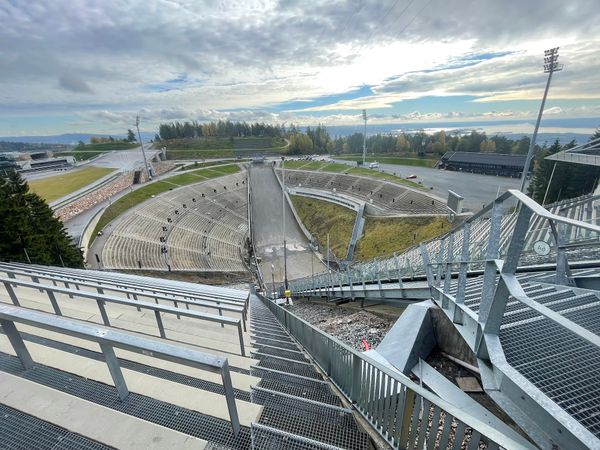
(16, 340)
(230, 398)
(115, 370)
(241, 336)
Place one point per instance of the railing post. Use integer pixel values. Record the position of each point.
(461, 283)
(159, 322)
(230, 398)
(15, 339)
(54, 303)
(399, 275)
(426, 264)
(356, 377)
(115, 370)
(563, 272)
(11, 294)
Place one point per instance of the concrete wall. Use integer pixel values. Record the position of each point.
(449, 339)
(86, 236)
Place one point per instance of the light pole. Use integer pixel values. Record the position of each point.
(364, 115)
(137, 125)
(272, 281)
(285, 278)
(551, 65)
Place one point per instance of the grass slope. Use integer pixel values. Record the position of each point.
(403, 161)
(144, 193)
(198, 165)
(321, 217)
(53, 188)
(384, 236)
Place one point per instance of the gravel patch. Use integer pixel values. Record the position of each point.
(349, 326)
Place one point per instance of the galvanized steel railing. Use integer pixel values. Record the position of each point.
(405, 414)
(566, 238)
(109, 339)
(101, 299)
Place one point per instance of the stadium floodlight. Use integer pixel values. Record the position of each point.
(137, 125)
(551, 65)
(364, 116)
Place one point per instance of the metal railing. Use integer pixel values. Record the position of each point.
(405, 414)
(565, 238)
(101, 299)
(137, 283)
(219, 305)
(109, 339)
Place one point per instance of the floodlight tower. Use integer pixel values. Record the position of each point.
(364, 115)
(551, 65)
(137, 125)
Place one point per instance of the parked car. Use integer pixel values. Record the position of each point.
(374, 165)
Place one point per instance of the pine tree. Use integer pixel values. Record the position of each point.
(28, 229)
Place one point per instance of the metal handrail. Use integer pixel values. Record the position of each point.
(101, 298)
(324, 282)
(392, 403)
(114, 278)
(109, 339)
(219, 305)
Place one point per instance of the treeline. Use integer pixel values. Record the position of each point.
(220, 129)
(27, 147)
(28, 230)
(318, 140)
(569, 180)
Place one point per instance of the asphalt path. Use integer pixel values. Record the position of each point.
(267, 218)
(478, 190)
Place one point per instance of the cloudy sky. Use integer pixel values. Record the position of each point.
(92, 65)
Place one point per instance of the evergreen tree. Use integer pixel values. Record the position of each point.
(130, 136)
(28, 229)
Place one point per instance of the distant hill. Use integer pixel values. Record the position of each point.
(67, 139)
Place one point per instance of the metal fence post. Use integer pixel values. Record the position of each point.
(115, 370)
(15, 339)
(230, 398)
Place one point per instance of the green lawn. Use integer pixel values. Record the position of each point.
(53, 188)
(144, 193)
(321, 217)
(400, 160)
(384, 236)
(106, 147)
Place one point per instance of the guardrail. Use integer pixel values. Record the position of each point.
(219, 305)
(109, 339)
(405, 414)
(101, 299)
(469, 243)
(136, 283)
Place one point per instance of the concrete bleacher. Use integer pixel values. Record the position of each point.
(383, 197)
(202, 227)
(71, 387)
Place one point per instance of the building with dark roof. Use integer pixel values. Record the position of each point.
(487, 163)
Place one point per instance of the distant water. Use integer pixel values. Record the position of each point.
(565, 130)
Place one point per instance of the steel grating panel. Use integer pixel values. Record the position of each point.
(347, 437)
(314, 383)
(302, 407)
(323, 395)
(562, 365)
(588, 318)
(138, 367)
(269, 438)
(276, 343)
(20, 431)
(525, 313)
(295, 355)
(168, 415)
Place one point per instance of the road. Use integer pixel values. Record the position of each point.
(477, 189)
(268, 233)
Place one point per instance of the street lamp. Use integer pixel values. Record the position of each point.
(551, 65)
(285, 278)
(364, 115)
(137, 125)
(273, 281)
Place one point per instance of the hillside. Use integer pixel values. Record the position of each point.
(211, 147)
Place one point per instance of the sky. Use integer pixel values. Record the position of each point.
(89, 66)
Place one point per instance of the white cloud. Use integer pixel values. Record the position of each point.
(98, 59)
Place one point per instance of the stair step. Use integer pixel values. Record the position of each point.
(109, 428)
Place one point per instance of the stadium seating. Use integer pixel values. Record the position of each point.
(388, 198)
(202, 227)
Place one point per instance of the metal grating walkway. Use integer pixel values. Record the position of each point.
(20, 431)
(146, 408)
